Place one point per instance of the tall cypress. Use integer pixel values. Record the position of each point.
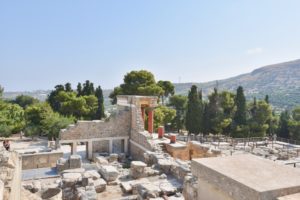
(100, 110)
(240, 117)
(194, 111)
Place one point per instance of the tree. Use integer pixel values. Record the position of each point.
(227, 104)
(283, 128)
(68, 87)
(1, 91)
(163, 116)
(294, 124)
(267, 99)
(52, 100)
(11, 118)
(168, 88)
(194, 111)
(137, 83)
(215, 113)
(178, 102)
(100, 110)
(240, 117)
(259, 118)
(88, 88)
(53, 124)
(34, 116)
(25, 100)
(79, 89)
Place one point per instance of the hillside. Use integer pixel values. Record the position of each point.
(280, 81)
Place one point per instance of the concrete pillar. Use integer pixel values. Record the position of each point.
(150, 120)
(74, 148)
(110, 146)
(90, 150)
(126, 146)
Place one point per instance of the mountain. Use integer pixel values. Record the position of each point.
(280, 81)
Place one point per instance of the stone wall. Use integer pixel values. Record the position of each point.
(40, 160)
(10, 175)
(118, 125)
(101, 146)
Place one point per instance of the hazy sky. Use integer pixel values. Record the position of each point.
(44, 43)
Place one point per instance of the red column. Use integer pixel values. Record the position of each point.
(150, 120)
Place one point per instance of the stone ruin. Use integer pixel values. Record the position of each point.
(126, 156)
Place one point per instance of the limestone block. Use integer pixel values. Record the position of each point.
(113, 157)
(70, 179)
(100, 185)
(126, 187)
(137, 169)
(148, 190)
(75, 161)
(92, 174)
(165, 165)
(62, 164)
(108, 172)
(100, 160)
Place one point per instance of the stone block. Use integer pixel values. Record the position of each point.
(92, 174)
(113, 157)
(75, 161)
(108, 172)
(137, 169)
(100, 185)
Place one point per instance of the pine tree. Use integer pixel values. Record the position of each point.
(267, 99)
(194, 111)
(214, 113)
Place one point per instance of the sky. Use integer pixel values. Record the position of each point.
(50, 42)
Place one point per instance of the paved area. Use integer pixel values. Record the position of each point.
(31, 174)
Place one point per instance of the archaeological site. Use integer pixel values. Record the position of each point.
(123, 158)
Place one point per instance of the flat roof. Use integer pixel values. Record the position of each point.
(257, 173)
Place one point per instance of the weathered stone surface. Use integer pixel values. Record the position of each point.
(108, 172)
(52, 194)
(113, 157)
(75, 161)
(77, 170)
(69, 194)
(100, 160)
(165, 165)
(148, 190)
(70, 179)
(122, 157)
(100, 185)
(92, 174)
(62, 164)
(126, 187)
(137, 169)
(190, 188)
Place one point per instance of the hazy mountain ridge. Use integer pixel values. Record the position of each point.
(280, 81)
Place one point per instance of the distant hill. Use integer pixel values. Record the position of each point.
(280, 81)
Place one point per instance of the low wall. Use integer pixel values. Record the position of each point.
(40, 160)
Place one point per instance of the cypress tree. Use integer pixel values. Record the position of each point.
(241, 112)
(194, 111)
(100, 110)
(79, 89)
(283, 129)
